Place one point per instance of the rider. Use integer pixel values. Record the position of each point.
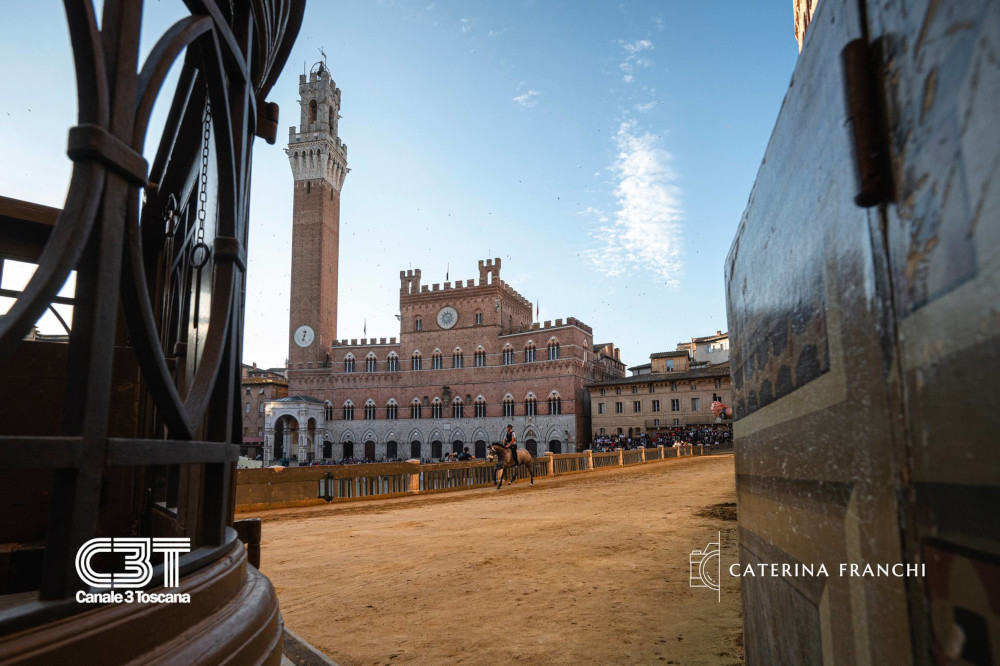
(509, 441)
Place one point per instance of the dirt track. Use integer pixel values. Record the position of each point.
(589, 568)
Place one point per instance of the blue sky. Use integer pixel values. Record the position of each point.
(604, 150)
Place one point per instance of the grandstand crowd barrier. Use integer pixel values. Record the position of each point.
(285, 487)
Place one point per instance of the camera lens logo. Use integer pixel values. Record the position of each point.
(706, 566)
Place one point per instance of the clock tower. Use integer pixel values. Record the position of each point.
(319, 165)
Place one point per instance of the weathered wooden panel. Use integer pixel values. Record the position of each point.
(884, 451)
(942, 68)
(817, 461)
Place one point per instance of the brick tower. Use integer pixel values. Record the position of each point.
(319, 164)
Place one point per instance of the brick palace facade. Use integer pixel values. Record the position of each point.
(469, 358)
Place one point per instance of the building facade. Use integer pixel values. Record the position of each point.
(660, 399)
(257, 387)
(469, 358)
(707, 350)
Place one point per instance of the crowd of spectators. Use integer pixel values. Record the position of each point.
(718, 435)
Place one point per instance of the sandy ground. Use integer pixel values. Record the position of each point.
(580, 569)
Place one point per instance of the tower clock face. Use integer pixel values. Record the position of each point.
(304, 335)
(447, 317)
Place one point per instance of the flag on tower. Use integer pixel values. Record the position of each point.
(536, 310)
(365, 333)
(447, 272)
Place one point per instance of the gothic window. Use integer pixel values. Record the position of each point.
(457, 408)
(553, 349)
(530, 406)
(508, 355)
(480, 406)
(370, 410)
(480, 358)
(555, 403)
(392, 363)
(418, 324)
(436, 408)
(436, 363)
(457, 358)
(348, 411)
(329, 411)
(312, 111)
(508, 405)
(479, 319)
(371, 363)
(392, 410)
(415, 361)
(415, 409)
(529, 353)
(349, 363)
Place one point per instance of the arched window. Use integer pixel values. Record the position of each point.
(553, 349)
(508, 354)
(349, 363)
(480, 406)
(415, 361)
(312, 111)
(457, 358)
(508, 405)
(418, 324)
(479, 319)
(415, 409)
(392, 363)
(369, 410)
(332, 124)
(391, 409)
(436, 360)
(371, 363)
(555, 403)
(530, 405)
(436, 408)
(457, 408)
(480, 357)
(348, 411)
(529, 353)
(329, 411)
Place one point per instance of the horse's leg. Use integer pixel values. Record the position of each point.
(503, 472)
(531, 471)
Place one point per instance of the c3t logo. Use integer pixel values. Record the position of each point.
(138, 569)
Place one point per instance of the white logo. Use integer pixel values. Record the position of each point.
(702, 570)
(138, 569)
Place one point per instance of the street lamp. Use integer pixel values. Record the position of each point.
(325, 490)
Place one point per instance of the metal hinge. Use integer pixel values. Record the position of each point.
(865, 115)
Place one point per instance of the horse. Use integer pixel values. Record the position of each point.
(505, 459)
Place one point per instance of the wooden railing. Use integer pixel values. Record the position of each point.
(282, 487)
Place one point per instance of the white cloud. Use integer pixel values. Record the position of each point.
(496, 33)
(528, 99)
(638, 46)
(643, 108)
(645, 234)
(633, 60)
(466, 24)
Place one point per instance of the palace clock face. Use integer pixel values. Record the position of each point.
(304, 335)
(447, 317)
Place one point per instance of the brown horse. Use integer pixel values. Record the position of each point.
(505, 460)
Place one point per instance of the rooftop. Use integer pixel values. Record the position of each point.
(717, 370)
